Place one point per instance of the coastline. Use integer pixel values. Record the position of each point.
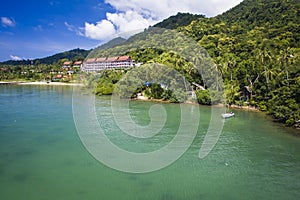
(235, 107)
(38, 83)
(245, 108)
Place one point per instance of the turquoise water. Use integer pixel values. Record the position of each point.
(42, 157)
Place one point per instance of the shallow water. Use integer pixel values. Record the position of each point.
(42, 157)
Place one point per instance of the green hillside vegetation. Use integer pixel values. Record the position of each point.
(256, 49)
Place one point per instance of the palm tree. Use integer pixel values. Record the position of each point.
(229, 63)
(220, 70)
(264, 58)
(284, 59)
(252, 81)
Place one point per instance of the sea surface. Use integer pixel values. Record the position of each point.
(43, 158)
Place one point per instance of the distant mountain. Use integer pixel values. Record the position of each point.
(181, 19)
(16, 62)
(75, 54)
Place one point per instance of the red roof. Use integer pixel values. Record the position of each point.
(100, 59)
(124, 58)
(67, 63)
(90, 60)
(112, 59)
(108, 59)
(78, 63)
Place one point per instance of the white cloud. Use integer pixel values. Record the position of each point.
(155, 9)
(102, 30)
(134, 15)
(8, 22)
(15, 57)
(129, 21)
(123, 23)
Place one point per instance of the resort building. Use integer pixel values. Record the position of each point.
(77, 64)
(107, 63)
(66, 64)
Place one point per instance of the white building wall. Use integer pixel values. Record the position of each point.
(99, 66)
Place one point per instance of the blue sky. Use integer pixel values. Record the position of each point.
(38, 28)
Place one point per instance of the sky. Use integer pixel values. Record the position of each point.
(38, 28)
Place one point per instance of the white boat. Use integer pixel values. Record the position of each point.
(227, 115)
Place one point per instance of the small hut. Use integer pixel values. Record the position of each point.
(246, 93)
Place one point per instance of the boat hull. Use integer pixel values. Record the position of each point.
(227, 115)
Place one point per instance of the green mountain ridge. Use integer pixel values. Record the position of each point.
(181, 19)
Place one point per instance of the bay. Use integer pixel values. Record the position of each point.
(42, 156)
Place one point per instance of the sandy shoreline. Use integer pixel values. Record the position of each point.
(40, 83)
